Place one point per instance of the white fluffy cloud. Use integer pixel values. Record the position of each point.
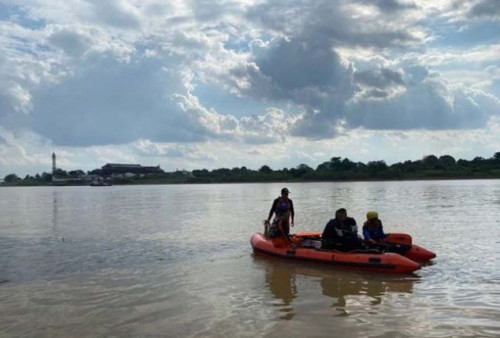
(88, 75)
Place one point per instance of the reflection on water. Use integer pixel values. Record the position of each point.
(175, 261)
(281, 279)
(54, 213)
(338, 287)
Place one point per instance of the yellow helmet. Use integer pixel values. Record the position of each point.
(371, 215)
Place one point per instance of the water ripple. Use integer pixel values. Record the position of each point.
(175, 261)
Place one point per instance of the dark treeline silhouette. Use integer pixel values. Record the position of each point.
(336, 169)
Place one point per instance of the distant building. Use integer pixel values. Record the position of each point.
(60, 177)
(103, 175)
(53, 163)
(125, 170)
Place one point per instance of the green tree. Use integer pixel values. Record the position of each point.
(376, 167)
(201, 173)
(447, 161)
(46, 177)
(11, 178)
(336, 163)
(76, 173)
(265, 169)
(430, 162)
(300, 170)
(348, 164)
(60, 173)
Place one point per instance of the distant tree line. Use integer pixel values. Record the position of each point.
(339, 169)
(43, 179)
(336, 169)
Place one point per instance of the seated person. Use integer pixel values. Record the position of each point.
(341, 233)
(373, 231)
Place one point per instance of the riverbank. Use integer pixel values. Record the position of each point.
(154, 181)
(335, 170)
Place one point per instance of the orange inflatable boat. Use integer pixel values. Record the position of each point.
(415, 252)
(306, 247)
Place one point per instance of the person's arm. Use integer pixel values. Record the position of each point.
(292, 212)
(273, 208)
(327, 230)
(367, 236)
(382, 233)
(354, 227)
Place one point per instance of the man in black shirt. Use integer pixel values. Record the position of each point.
(341, 233)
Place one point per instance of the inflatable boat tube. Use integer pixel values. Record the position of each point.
(303, 247)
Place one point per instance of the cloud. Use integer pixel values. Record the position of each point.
(377, 84)
(90, 86)
(301, 63)
(109, 72)
(269, 127)
(379, 78)
(131, 80)
(21, 66)
(390, 5)
(317, 125)
(109, 102)
(307, 73)
(20, 150)
(341, 22)
(302, 66)
(117, 13)
(465, 11)
(73, 42)
(429, 104)
(146, 148)
(485, 9)
(272, 127)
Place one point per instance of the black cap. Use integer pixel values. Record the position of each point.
(285, 190)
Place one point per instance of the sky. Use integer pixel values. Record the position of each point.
(191, 84)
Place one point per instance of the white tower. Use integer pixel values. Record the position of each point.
(53, 163)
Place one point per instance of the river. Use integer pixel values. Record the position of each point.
(175, 261)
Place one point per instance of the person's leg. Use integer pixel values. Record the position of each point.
(354, 244)
(286, 228)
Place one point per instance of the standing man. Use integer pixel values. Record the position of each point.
(283, 209)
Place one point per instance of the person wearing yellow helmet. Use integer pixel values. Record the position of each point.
(373, 231)
(374, 235)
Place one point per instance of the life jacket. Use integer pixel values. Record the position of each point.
(283, 206)
(375, 230)
(282, 214)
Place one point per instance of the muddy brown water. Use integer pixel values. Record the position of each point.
(175, 261)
